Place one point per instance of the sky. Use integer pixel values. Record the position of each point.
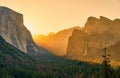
(44, 16)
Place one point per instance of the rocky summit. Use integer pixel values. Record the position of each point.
(97, 34)
(14, 32)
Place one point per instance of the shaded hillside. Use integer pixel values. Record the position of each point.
(56, 43)
(10, 55)
(97, 34)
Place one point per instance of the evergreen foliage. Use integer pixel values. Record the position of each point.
(16, 64)
(107, 70)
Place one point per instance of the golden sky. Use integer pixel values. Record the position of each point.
(44, 16)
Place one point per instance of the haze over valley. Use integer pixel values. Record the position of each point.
(83, 39)
(86, 43)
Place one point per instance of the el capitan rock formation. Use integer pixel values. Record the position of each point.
(14, 32)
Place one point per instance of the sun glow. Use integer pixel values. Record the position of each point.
(44, 16)
(29, 26)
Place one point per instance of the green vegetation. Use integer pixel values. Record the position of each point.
(16, 64)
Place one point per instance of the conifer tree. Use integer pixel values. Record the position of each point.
(107, 71)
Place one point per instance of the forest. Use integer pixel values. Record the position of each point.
(16, 64)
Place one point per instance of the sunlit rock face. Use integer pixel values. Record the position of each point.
(95, 25)
(13, 30)
(96, 35)
(55, 43)
(105, 32)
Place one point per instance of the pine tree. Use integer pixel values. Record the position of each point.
(107, 71)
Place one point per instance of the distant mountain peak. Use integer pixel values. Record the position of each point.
(102, 17)
(91, 18)
(97, 25)
(51, 34)
(105, 19)
(78, 27)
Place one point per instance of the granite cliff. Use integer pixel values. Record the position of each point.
(97, 34)
(14, 32)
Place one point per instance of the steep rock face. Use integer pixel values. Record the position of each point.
(56, 43)
(13, 30)
(80, 41)
(106, 31)
(95, 25)
(97, 34)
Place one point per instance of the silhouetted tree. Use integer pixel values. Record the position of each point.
(107, 71)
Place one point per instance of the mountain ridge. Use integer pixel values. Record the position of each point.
(55, 43)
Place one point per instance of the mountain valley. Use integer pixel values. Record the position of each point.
(66, 54)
